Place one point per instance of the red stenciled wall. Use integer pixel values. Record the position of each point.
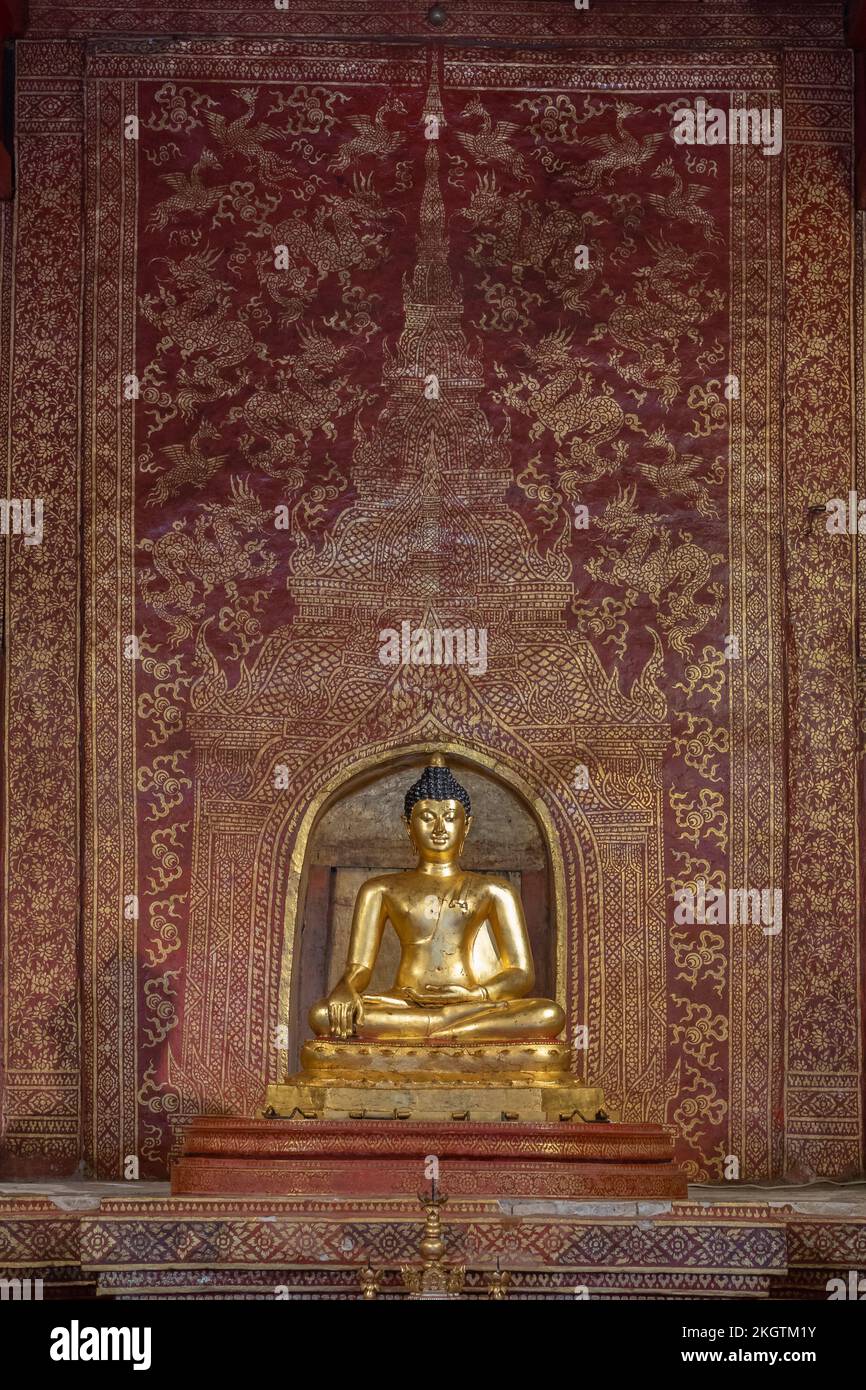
(220, 646)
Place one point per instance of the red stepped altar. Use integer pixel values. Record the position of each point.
(384, 1158)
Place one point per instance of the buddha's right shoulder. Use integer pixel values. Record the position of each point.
(379, 883)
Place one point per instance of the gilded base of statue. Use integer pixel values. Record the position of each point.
(507, 1120)
(482, 1082)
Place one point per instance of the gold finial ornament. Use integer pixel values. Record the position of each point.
(498, 1282)
(434, 1279)
(369, 1281)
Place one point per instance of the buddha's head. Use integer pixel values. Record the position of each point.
(437, 811)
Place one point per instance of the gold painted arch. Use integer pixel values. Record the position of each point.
(366, 767)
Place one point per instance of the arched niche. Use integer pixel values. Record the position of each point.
(359, 831)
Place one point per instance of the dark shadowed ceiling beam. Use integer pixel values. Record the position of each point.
(13, 21)
(856, 33)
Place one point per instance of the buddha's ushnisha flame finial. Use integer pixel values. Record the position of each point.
(436, 783)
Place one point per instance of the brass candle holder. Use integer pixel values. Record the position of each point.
(434, 1279)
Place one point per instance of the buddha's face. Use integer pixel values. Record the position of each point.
(438, 829)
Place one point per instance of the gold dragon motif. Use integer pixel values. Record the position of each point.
(193, 310)
(190, 565)
(652, 564)
(566, 405)
(668, 305)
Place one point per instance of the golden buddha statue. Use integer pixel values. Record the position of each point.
(442, 1043)
(437, 910)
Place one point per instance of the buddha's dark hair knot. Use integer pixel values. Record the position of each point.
(436, 783)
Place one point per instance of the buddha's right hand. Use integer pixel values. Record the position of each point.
(345, 1010)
